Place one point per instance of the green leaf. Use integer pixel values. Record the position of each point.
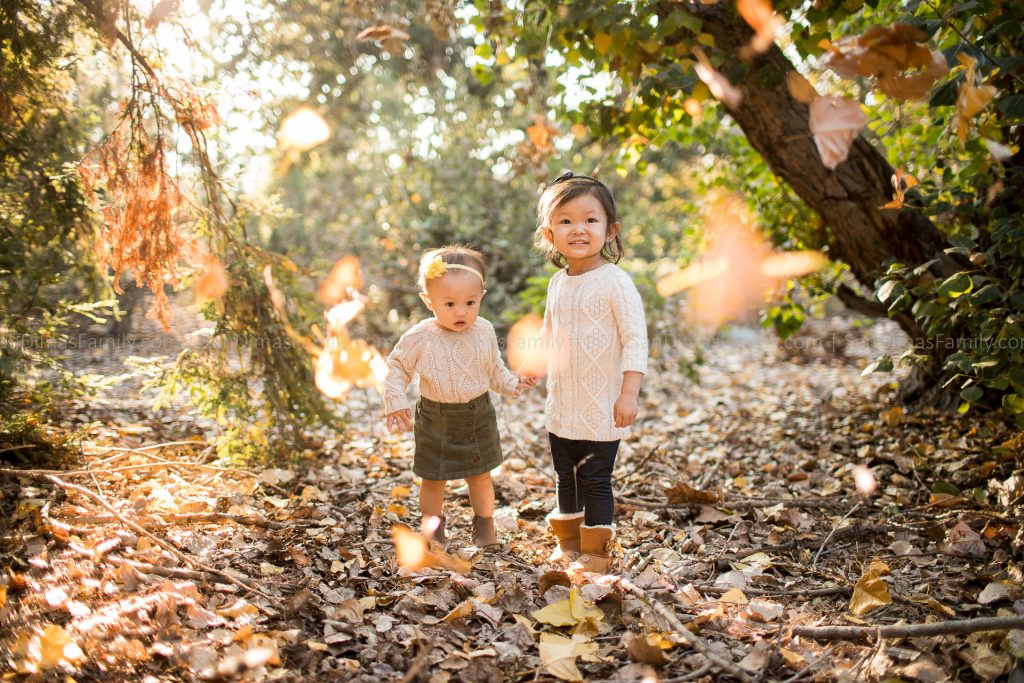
(1013, 404)
(972, 394)
(882, 364)
(955, 285)
(1012, 106)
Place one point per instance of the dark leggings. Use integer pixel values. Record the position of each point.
(583, 471)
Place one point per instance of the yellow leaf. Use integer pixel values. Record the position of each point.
(57, 648)
(558, 654)
(463, 609)
(792, 658)
(398, 509)
(568, 612)
(734, 596)
(800, 88)
(400, 492)
(870, 592)
(602, 41)
(646, 649)
(706, 39)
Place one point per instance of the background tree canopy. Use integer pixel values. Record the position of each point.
(445, 120)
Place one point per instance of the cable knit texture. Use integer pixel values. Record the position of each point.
(454, 367)
(595, 325)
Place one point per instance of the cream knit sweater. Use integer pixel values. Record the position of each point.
(454, 367)
(595, 325)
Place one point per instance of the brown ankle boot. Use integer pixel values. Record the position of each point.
(595, 544)
(483, 532)
(566, 528)
(438, 535)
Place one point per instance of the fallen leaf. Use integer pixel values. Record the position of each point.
(648, 649)
(734, 596)
(558, 654)
(995, 592)
(569, 612)
(870, 591)
(724, 91)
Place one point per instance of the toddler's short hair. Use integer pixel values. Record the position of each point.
(453, 254)
(562, 189)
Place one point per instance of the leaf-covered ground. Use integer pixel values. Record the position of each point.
(739, 519)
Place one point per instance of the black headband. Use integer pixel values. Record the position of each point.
(569, 175)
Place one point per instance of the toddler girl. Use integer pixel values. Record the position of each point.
(456, 356)
(594, 324)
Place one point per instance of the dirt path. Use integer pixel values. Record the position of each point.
(738, 515)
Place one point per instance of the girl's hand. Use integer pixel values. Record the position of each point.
(400, 420)
(625, 410)
(526, 382)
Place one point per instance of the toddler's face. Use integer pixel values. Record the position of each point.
(579, 229)
(454, 299)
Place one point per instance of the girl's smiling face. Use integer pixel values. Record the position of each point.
(579, 230)
(454, 298)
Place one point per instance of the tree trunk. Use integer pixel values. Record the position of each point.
(847, 198)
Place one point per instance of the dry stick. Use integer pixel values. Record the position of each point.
(17, 448)
(125, 468)
(940, 628)
(693, 640)
(419, 663)
(161, 520)
(246, 584)
(737, 503)
(838, 524)
(764, 592)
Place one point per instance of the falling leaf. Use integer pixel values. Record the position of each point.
(691, 276)
(602, 41)
(56, 648)
(462, 610)
(541, 133)
(971, 99)
(793, 263)
(835, 122)
(579, 131)
(899, 179)
(161, 11)
(895, 57)
(800, 88)
(212, 281)
(864, 480)
(344, 279)
(348, 363)
(870, 591)
(401, 491)
(528, 346)
(760, 16)
(999, 151)
(413, 553)
(736, 271)
(382, 33)
(344, 313)
(648, 649)
(724, 91)
(303, 129)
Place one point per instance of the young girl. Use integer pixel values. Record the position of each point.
(456, 356)
(594, 323)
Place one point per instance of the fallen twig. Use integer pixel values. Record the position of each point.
(162, 519)
(940, 628)
(830, 534)
(693, 640)
(811, 592)
(738, 503)
(244, 582)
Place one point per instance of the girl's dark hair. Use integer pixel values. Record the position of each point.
(463, 256)
(562, 189)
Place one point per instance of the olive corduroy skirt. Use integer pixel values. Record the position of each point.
(455, 440)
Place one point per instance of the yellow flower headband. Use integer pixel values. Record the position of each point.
(437, 268)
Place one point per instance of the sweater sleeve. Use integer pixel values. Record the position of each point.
(630, 323)
(502, 380)
(401, 364)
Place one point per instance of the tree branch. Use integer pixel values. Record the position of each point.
(856, 302)
(941, 628)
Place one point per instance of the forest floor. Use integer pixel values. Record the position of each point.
(740, 523)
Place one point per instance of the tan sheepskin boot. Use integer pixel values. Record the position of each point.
(595, 544)
(484, 535)
(566, 528)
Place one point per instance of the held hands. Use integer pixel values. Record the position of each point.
(399, 421)
(526, 382)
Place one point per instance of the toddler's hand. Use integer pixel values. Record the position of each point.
(526, 382)
(400, 420)
(625, 410)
